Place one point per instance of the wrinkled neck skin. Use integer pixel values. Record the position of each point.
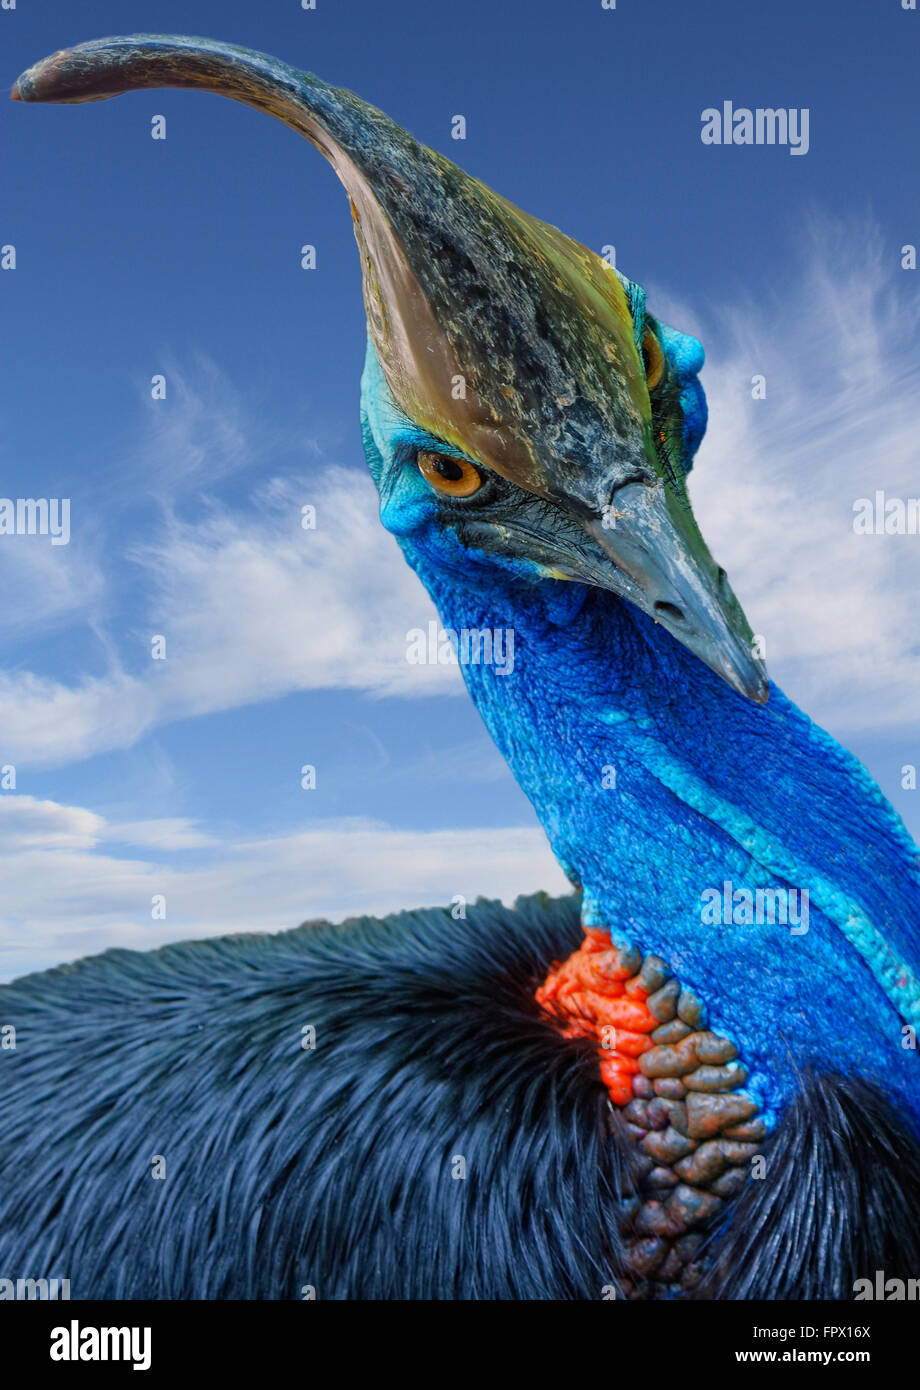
(656, 783)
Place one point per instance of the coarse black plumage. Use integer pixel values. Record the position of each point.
(333, 1167)
(337, 1167)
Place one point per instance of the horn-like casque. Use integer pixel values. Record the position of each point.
(457, 281)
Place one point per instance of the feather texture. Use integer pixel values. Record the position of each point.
(335, 1167)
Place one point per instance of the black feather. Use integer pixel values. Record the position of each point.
(287, 1167)
(332, 1167)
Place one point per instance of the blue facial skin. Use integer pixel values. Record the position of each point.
(709, 788)
(685, 355)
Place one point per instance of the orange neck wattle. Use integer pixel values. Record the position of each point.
(594, 994)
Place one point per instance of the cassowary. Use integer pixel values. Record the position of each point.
(698, 1076)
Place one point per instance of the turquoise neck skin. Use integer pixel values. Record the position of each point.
(709, 789)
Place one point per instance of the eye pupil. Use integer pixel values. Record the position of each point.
(449, 469)
(454, 477)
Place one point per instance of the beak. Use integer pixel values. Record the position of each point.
(672, 577)
(639, 551)
(494, 331)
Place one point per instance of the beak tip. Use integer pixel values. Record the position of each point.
(753, 682)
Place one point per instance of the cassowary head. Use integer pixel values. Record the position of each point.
(521, 406)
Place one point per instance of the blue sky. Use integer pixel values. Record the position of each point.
(137, 257)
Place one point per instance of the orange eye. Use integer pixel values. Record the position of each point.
(455, 477)
(653, 358)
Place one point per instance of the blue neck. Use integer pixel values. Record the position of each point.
(709, 789)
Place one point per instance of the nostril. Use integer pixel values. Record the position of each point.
(669, 610)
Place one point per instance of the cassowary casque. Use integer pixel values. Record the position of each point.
(699, 1075)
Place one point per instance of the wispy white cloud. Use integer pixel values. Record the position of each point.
(198, 435)
(46, 587)
(257, 606)
(52, 722)
(252, 606)
(29, 824)
(164, 833)
(64, 896)
(776, 479)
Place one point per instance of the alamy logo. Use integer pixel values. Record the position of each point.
(28, 1289)
(762, 126)
(36, 516)
(728, 906)
(882, 515)
(471, 646)
(886, 1290)
(76, 1343)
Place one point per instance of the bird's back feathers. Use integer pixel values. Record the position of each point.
(171, 1128)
